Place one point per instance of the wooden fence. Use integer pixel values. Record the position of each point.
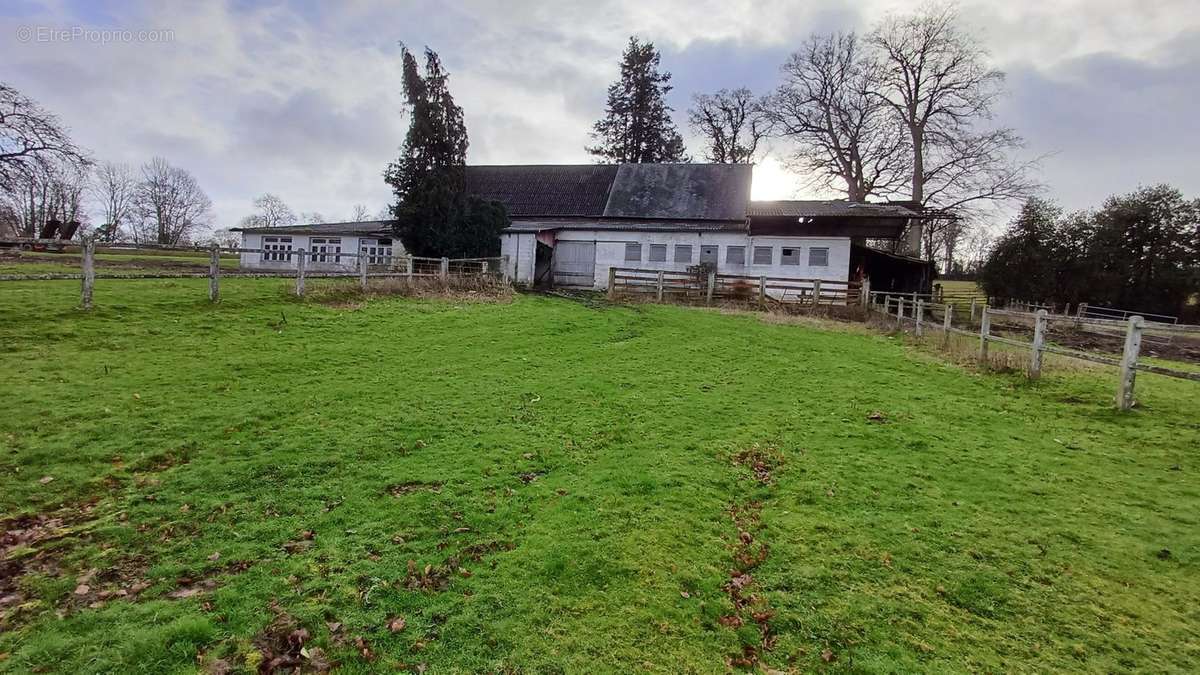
(664, 285)
(399, 267)
(919, 313)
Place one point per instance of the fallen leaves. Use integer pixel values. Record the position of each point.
(397, 624)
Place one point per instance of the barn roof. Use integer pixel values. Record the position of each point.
(544, 189)
(675, 191)
(643, 191)
(828, 208)
(352, 227)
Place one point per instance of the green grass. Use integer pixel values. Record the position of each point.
(985, 524)
(108, 263)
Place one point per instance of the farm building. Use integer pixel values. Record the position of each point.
(572, 223)
(323, 244)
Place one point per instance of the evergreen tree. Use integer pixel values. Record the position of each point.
(1022, 265)
(637, 125)
(434, 216)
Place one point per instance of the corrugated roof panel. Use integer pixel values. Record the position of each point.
(686, 191)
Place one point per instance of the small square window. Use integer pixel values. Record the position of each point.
(791, 256)
(818, 257)
(735, 255)
(683, 253)
(633, 252)
(762, 255)
(658, 252)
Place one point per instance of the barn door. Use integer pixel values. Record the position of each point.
(575, 263)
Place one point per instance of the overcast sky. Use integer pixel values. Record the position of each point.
(302, 99)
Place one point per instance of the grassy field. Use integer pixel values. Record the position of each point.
(112, 262)
(551, 486)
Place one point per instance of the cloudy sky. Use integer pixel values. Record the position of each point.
(302, 99)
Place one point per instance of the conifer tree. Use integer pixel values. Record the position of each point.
(637, 125)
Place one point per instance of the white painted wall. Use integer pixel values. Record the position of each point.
(350, 244)
(610, 252)
(521, 249)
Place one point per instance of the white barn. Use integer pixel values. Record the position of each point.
(571, 223)
(323, 243)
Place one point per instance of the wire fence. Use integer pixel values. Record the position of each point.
(921, 317)
(298, 264)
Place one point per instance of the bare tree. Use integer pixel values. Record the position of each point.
(114, 189)
(32, 140)
(226, 238)
(171, 204)
(843, 133)
(732, 124)
(45, 191)
(272, 212)
(360, 214)
(311, 217)
(938, 84)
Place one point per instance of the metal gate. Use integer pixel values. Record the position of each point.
(575, 263)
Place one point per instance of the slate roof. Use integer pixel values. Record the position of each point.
(699, 192)
(544, 189)
(680, 191)
(833, 208)
(352, 227)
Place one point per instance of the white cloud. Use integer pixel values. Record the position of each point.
(304, 100)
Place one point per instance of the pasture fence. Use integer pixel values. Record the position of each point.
(710, 285)
(918, 314)
(295, 264)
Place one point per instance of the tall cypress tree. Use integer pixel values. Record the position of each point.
(434, 216)
(637, 125)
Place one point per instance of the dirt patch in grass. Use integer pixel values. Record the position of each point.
(283, 647)
(415, 486)
(751, 609)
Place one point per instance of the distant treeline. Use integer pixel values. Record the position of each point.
(1140, 251)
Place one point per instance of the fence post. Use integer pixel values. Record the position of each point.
(947, 320)
(362, 269)
(762, 290)
(89, 272)
(507, 272)
(712, 282)
(1039, 339)
(973, 310)
(445, 272)
(864, 292)
(660, 286)
(409, 271)
(900, 312)
(1081, 309)
(985, 325)
(816, 293)
(612, 283)
(920, 316)
(1133, 344)
(214, 274)
(300, 273)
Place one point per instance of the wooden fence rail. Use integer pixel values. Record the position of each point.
(1134, 328)
(665, 283)
(398, 267)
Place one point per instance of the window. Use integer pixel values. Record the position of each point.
(735, 255)
(633, 252)
(658, 252)
(708, 254)
(791, 256)
(276, 249)
(818, 257)
(683, 253)
(325, 249)
(378, 251)
(762, 255)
